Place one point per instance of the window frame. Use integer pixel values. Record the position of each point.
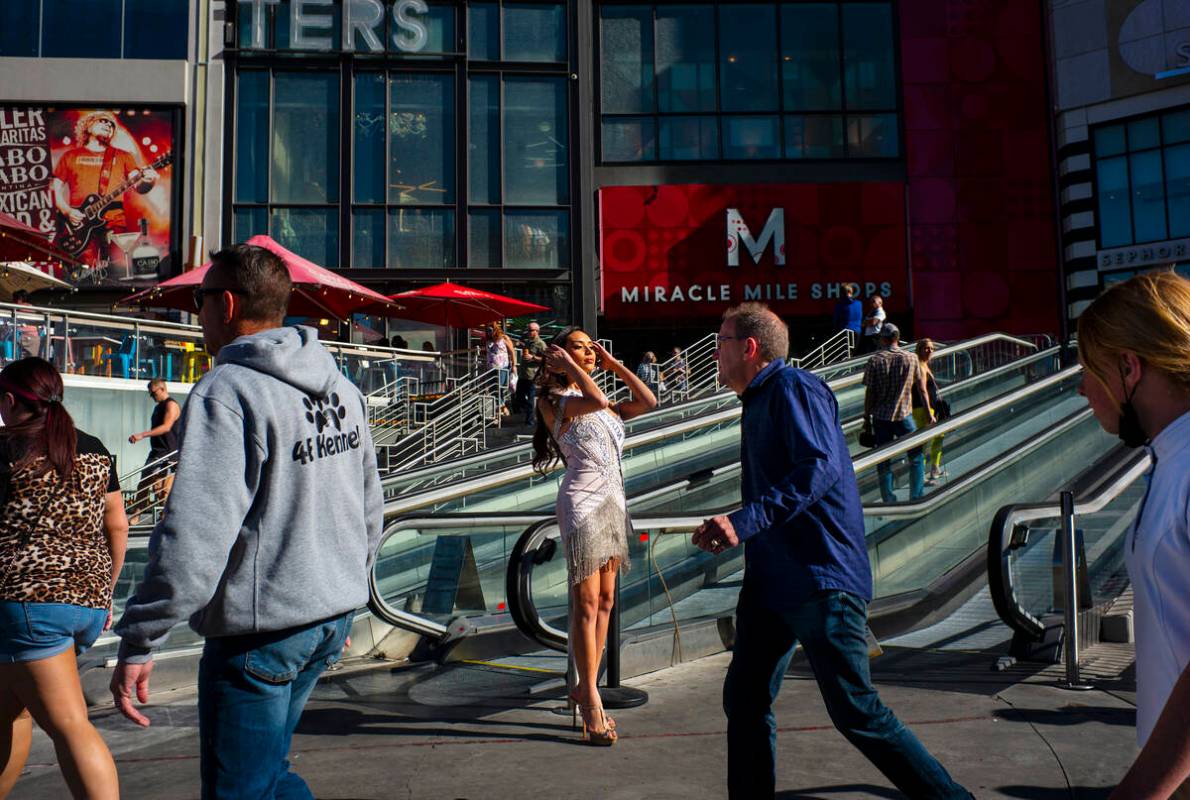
(186, 17)
(842, 113)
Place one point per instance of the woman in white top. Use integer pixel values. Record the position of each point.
(1134, 344)
(499, 354)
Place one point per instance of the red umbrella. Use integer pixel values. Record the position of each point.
(457, 306)
(317, 292)
(19, 242)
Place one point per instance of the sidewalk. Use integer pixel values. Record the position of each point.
(466, 731)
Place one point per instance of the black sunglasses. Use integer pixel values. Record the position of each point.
(201, 294)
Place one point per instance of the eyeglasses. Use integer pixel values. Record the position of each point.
(720, 339)
(201, 294)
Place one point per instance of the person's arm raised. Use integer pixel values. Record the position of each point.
(591, 398)
(642, 400)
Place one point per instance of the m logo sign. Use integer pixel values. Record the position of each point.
(738, 235)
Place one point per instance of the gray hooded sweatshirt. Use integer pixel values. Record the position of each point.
(276, 507)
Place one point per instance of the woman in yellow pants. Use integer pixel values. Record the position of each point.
(921, 414)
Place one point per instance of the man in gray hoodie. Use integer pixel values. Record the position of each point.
(271, 527)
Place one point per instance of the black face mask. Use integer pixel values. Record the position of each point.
(1130, 431)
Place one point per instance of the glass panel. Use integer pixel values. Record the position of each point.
(689, 138)
(1109, 141)
(252, 137)
(63, 37)
(421, 238)
(750, 137)
(305, 137)
(312, 233)
(368, 133)
(421, 129)
(534, 32)
(483, 143)
(874, 136)
(629, 139)
(748, 57)
(156, 28)
(1148, 196)
(814, 137)
(626, 59)
(1115, 206)
(248, 222)
(483, 237)
(868, 56)
(367, 238)
(1143, 133)
(1175, 127)
(321, 23)
(535, 141)
(810, 56)
(440, 28)
(19, 34)
(536, 239)
(1177, 189)
(483, 32)
(685, 58)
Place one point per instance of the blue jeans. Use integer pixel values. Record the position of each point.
(526, 398)
(886, 432)
(831, 628)
(36, 631)
(251, 692)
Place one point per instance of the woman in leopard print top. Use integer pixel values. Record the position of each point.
(63, 532)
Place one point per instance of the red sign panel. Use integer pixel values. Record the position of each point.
(689, 252)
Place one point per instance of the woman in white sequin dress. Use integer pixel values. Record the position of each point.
(576, 423)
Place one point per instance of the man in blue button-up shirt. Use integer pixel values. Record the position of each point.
(806, 572)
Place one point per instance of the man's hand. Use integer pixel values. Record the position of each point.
(715, 535)
(126, 677)
(147, 179)
(75, 216)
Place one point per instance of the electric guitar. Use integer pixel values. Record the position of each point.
(74, 238)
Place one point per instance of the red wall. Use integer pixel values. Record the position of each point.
(981, 211)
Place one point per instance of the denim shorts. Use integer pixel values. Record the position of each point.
(33, 631)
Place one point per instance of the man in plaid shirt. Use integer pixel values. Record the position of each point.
(890, 377)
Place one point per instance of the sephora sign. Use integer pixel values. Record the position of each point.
(686, 253)
(312, 21)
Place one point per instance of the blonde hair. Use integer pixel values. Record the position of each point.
(1148, 315)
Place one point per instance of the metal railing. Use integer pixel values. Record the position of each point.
(692, 373)
(834, 350)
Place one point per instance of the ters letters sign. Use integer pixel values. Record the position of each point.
(685, 253)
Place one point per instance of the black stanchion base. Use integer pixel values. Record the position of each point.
(622, 697)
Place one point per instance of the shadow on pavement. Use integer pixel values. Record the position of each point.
(1070, 715)
(819, 792)
(1050, 793)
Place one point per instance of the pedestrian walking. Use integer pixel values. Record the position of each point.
(1134, 345)
(158, 473)
(500, 355)
(806, 573)
(873, 323)
(922, 406)
(650, 372)
(578, 425)
(272, 524)
(63, 534)
(890, 377)
(532, 357)
(849, 312)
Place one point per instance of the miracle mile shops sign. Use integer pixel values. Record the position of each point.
(686, 253)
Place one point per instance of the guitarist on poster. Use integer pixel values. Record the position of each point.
(92, 168)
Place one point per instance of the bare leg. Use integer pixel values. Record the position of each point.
(16, 735)
(50, 689)
(585, 614)
(607, 596)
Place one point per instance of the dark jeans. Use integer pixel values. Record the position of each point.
(526, 396)
(251, 692)
(886, 431)
(831, 628)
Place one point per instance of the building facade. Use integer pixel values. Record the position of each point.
(637, 167)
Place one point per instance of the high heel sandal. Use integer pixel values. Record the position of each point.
(604, 738)
(575, 704)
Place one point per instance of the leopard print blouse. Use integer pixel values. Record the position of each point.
(53, 548)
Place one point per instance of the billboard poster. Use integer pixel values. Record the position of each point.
(686, 253)
(99, 183)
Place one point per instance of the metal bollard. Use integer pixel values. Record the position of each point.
(1070, 576)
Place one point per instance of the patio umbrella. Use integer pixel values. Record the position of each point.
(19, 242)
(17, 275)
(456, 306)
(317, 292)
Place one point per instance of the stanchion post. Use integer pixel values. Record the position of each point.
(1071, 603)
(613, 694)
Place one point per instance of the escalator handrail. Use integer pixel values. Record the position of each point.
(518, 588)
(970, 344)
(902, 445)
(1007, 518)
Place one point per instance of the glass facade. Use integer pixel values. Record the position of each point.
(1142, 176)
(95, 28)
(746, 81)
(455, 155)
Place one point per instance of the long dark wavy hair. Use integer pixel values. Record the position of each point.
(546, 453)
(49, 430)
